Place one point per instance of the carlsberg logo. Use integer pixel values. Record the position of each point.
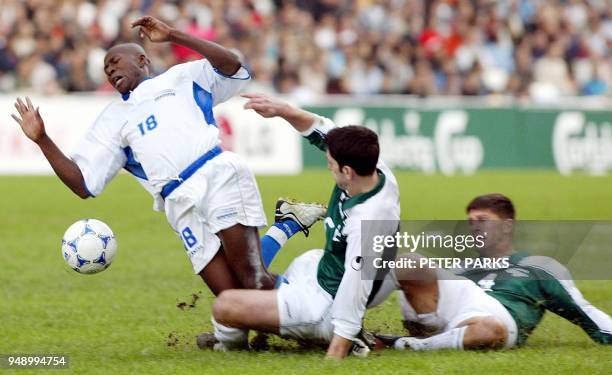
(581, 145)
(449, 150)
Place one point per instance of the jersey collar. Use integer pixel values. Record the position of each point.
(360, 198)
(126, 96)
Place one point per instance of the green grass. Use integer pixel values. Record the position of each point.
(119, 321)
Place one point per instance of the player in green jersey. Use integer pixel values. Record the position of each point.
(327, 294)
(526, 289)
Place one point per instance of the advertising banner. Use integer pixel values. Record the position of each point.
(463, 141)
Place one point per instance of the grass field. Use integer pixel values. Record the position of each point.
(126, 320)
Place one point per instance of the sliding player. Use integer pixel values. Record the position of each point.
(327, 295)
(493, 308)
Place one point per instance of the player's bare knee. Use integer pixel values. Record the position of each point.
(489, 333)
(219, 308)
(226, 307)
(496, 330)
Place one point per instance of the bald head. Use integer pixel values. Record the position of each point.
(127, 48)
(126, 65)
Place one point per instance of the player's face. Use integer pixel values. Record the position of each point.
(492, 227)
(123, 70)
(333, 166)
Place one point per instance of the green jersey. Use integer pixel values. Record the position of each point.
(331, 267)
(533, 284)
(339, 271)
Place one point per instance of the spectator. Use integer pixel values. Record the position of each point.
(308, 48)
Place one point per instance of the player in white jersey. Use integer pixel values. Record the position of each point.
(328, 290)
(163, 131)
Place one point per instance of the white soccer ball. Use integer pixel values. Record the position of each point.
(89, 246)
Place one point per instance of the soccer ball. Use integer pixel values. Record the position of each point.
(89, 246)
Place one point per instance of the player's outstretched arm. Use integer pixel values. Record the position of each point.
(565, 300)
(268, 107)
(224, 60)
(33, 127)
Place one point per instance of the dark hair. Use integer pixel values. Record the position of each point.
(354, 146)
(498, 203)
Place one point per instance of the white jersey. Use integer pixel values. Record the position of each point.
(158, 129)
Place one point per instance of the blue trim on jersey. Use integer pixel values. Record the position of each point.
(204, 100)
(132, 166)
(189, 171)
(126, 96)
(232, 77)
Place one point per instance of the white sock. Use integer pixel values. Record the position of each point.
(277, 234)
(231, 338)
(452, 339)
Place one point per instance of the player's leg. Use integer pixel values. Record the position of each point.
(295, 310)
(218, 275)
(483, 332)
(275, 239)
(290, 217)
(242, 248)
(419, 296)
(201, 246)
(204, 249)
(259, 309)
(419, 287)
(238, 241)
(248, 309)
(456, 314)
(232, 209)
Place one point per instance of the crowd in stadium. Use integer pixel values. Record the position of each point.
(305, 48)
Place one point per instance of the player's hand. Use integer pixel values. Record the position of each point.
(30, 121)
(265, 106)
(152, 28)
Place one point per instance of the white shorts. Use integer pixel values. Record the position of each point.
(304, 308)
(220, 194)
(461, 299)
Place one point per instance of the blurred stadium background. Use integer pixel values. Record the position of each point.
(468, 97)
(522, 48)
